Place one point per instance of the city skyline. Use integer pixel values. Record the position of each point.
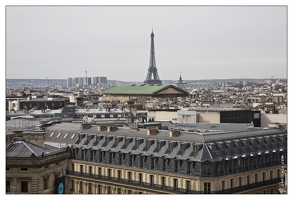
(65, 41)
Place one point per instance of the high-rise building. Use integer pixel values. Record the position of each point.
(80, 82)
(69, 82)
(102, 80)
(75, 82)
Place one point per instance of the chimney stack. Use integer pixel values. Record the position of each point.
(173, 133)
(152, 130)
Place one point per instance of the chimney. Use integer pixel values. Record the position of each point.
(112, 128)
(152, 130)
(283, 126)
(173, 133)
(84, 126)
(102, 128)
(134, 129)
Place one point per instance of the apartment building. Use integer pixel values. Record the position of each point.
(193, 160)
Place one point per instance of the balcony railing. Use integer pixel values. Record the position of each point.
(175, 190)
(224, 170)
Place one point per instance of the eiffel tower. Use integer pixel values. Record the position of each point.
(152, 76)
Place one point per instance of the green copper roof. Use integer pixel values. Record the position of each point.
(136, 89)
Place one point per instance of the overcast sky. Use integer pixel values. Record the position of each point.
(200, 42)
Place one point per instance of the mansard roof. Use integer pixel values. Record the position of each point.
(201, 145)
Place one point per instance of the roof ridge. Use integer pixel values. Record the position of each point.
(30, 149)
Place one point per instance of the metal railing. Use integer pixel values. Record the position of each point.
(165, 188)
(224, 170)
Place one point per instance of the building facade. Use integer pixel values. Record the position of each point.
(33, 169)
(118, 160)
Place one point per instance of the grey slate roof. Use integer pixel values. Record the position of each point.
(22, 148)
(214, 145)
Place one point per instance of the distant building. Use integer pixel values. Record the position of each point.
(81, 82)
(180, 83)
(102, 80)
(69, 82)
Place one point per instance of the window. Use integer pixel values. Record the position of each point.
(163, 181)
(151, 179)
(271, 175)
(100, 170)
(81, 168)
(207, 187)
(7, 169)
(81, 187)
(231, 183)
(175, 183)
(72, 185)
(24, 186)
(23, 169)
(99, 189)
(263, 176)
(65, 135)
(73, 136)
(140, 177)
(188, 185)
(52, 134)
(119, 191)
(129, 176)
(46, 183)
(109, 190)
(109, 172)
(72, 167)
(119, 174)
(90, 169)
(59, 135)
(90, 188)
(223, 185)
(256, 178)
(129, 192)
(8, 187)
(240, 181)
(248, 180)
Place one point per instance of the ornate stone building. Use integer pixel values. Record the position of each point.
(33, 169)
(192, 159)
